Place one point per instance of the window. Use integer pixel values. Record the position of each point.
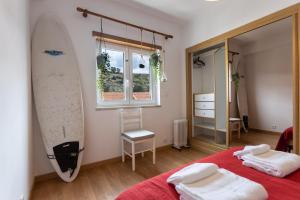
(123, 82)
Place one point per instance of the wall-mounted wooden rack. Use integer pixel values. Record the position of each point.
(125, 41)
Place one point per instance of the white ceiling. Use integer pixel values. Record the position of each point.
(182, 10)
(277, 28)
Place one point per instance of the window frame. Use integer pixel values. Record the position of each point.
(128, 100)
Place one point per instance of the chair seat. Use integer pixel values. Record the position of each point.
(235, 120)
(138, 135)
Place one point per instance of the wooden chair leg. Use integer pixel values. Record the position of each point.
(154, 156)
(239, 130)
(230, 132)
(123, 154)
(133, 155)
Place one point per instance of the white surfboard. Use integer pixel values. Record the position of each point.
(242, 101)
(58, 96)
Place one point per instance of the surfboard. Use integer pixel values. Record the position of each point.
(58, 96)
(242, 101)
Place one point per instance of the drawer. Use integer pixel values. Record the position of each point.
(205, 97)
(205, 113)
(205, 105)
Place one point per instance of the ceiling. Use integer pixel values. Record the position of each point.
(182, 10)
(277, 28)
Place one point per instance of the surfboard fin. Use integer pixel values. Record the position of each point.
(66, 155)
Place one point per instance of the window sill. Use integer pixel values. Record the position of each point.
(125, 106)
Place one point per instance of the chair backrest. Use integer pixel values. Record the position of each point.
(131, 119)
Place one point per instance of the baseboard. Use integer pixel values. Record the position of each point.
(52, 175)
(264, 131)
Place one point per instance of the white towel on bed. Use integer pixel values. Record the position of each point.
(275, 163)
(193, 173)
(255, 150)
(222, 185)
(207, 181)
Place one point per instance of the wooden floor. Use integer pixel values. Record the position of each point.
(256, 137)
(253, 137)
(107, 181)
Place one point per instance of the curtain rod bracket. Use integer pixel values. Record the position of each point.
(84, 13)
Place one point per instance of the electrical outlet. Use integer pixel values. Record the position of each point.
(21, 197)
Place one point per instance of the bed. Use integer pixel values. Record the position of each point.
(287, 188)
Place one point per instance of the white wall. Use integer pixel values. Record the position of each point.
(102, 126)
(268, 65)
(15, 101)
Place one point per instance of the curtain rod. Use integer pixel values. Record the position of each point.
(86, 12)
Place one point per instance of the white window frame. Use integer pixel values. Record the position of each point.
(154, 84)
(128, 100)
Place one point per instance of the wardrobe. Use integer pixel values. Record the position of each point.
(209, 95)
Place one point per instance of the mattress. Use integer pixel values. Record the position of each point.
(287, 188)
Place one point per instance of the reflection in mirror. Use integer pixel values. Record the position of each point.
(261, 101)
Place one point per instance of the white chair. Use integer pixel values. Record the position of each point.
(132, 132)
(235, 125)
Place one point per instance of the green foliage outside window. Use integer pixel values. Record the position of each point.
(141, 83)
(111, 79)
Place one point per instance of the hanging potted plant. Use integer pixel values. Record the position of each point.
(103, 65)
(236, 78)
(156, 62)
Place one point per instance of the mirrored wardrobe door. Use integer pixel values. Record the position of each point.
(221, 96)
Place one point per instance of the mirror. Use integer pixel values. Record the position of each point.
(209, 95)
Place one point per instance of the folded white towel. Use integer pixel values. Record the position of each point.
(275, 163)
(255, 150)
(193, 173)
(222, 185)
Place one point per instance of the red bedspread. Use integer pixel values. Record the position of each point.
(287, 188)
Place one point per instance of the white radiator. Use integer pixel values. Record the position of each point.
(180, 133)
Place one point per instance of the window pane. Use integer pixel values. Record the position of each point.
(111, 78)
(141, 78)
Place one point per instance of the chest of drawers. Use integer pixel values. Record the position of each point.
(204, 105)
